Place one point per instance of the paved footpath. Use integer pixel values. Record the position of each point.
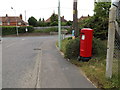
(56, 72)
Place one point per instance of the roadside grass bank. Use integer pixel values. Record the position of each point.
(96, 67)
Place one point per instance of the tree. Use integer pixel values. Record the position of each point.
(98, 22)
(32, 21)
(43, 20)
(42, 23)
(40, 20)
(54, 18)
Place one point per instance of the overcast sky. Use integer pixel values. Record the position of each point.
(44, 8)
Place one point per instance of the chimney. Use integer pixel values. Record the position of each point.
(63, 17)
(6, 15)
(21, 16)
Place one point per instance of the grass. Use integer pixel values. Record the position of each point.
(47, 30)
(95, 69)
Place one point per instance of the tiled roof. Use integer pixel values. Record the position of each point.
(62, 18)
(83, 17)
(10, 19)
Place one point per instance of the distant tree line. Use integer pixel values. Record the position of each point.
(53, 21)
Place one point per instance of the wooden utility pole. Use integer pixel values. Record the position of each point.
(75, 19)
(111, 38)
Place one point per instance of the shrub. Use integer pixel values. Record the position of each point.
(23, 29)
(99, 48)
(47, 30)
(72, 48)
(9, 30)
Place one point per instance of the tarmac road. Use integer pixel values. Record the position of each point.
(35, 62)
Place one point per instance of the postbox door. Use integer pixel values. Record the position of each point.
(82, 44)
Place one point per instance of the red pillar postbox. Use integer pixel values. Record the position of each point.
(86, 36)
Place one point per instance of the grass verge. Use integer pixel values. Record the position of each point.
(96, 67)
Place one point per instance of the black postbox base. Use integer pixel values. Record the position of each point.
(83, 59)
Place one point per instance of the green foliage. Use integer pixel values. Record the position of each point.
(72, 48)
(32, 21)
(99, 48)
(47, 30)
(54, 18)
(102, 9)
(69, 23)
(95, 68)
(69, 30)
(6, 30)
(9, 30)
(55, 23)
(42, 23)
(98, 22)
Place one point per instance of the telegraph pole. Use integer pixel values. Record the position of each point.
(59, 26)
(75, 19)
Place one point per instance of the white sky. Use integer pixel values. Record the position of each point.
(44, 8)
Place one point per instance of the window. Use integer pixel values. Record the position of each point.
(19, 23)
(0, 22)
(8, 23)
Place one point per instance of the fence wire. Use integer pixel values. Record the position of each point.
(116, 58)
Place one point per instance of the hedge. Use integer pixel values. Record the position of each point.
(72, 47)
(9, 30)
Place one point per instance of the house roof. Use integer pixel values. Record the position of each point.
(83, 17)
(62, 18)
(10, 19)
(48, 20)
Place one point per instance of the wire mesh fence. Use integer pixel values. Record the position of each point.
(116, 58)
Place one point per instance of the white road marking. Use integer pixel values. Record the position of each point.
(10, 45)
(23, 39)
(38, 83)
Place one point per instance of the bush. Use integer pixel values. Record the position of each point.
(72, 48)
(23, 29)
(47, 30)
(99, 48)
(9, 30)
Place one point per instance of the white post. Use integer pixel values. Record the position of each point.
(59, 26)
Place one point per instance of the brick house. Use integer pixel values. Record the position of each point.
(12, 21)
